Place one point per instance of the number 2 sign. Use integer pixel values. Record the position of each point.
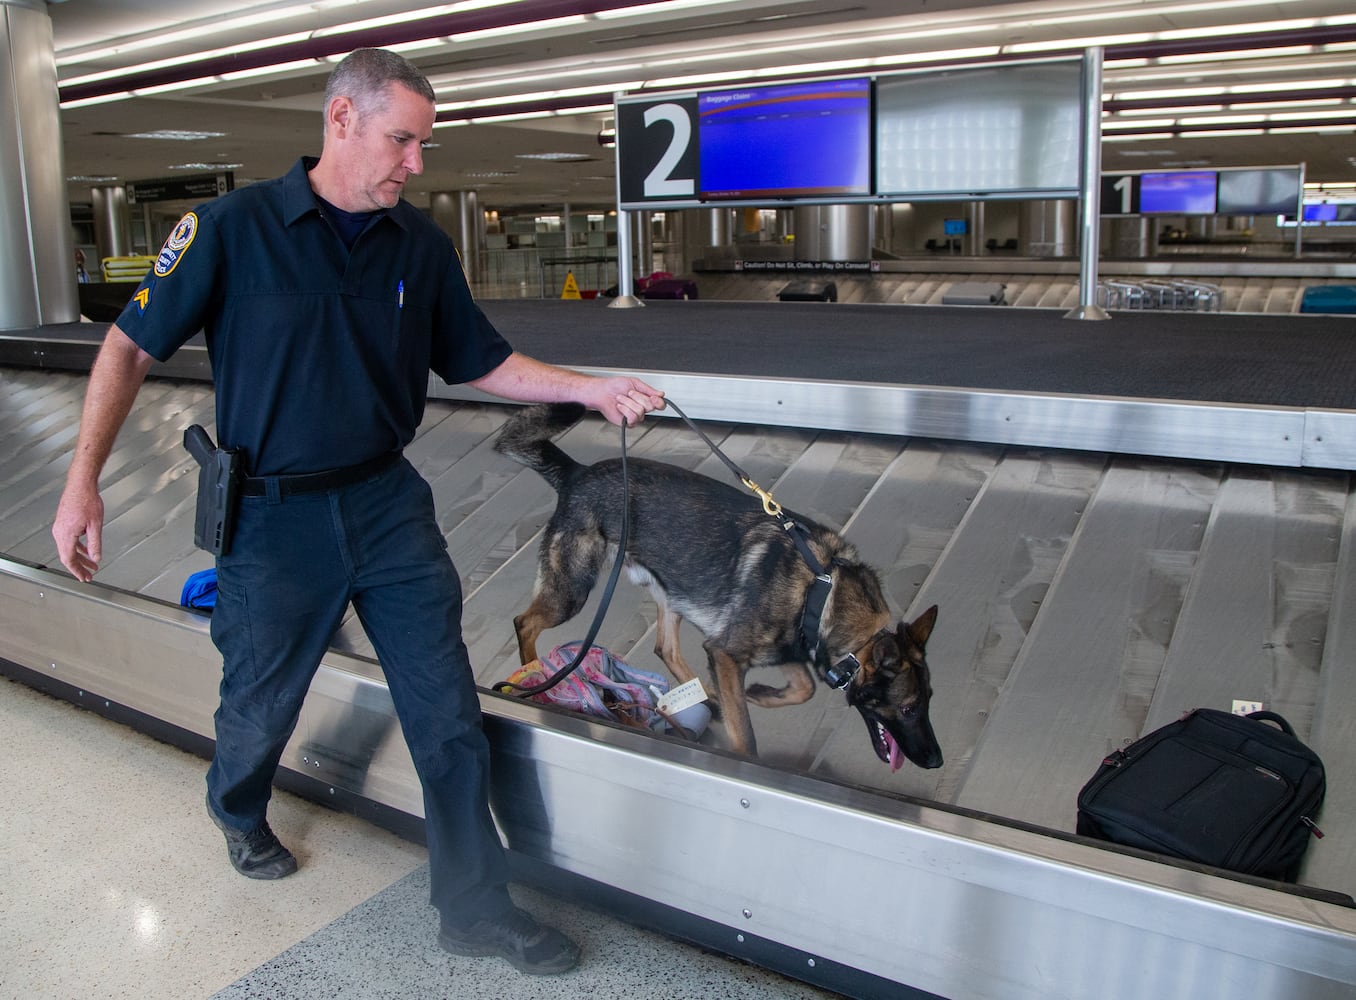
(657, 151)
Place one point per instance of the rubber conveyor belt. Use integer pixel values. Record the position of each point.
(1085, 598)
(1264, 389)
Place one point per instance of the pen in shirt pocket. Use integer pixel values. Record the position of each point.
(400, 294)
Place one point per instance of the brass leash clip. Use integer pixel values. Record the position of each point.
(772, 507)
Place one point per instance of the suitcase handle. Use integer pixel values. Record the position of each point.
(1286, 728)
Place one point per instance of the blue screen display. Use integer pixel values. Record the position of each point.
(1317, 211)
(798, 140)
(1189, 192)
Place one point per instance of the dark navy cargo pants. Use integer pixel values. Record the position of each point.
(294, 566)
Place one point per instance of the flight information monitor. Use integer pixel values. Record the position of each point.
(1180, 192)
(799, 140)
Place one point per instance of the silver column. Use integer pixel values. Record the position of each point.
(37, 281)
(112, 221)
(717, 227)
(1130, 237)
(458, 214)
(833, 232)
(1046, 228)
(973, 241)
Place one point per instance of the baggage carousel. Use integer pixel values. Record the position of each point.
(1104, 558)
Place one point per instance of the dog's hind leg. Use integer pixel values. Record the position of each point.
(666, 645)
(734, 709)
(569, 567)
(800, 688)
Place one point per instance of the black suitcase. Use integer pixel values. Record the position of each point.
(1215, 788)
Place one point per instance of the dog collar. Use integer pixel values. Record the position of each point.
(842, 673)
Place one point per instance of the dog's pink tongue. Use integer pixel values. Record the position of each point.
(896, 757)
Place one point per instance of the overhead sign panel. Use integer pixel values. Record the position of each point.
(1228, 191)
(999, 131)
(192, 187)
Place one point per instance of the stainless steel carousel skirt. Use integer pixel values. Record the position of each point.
(833, 878)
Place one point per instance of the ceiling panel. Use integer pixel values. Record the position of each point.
(271, 119)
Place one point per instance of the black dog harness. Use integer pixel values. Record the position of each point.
(837, 675)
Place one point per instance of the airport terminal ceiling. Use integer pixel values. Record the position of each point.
(529, 84)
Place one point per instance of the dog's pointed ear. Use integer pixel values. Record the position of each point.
(920, 629)
(886, 654)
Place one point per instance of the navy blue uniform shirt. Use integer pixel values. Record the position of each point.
(320, 355)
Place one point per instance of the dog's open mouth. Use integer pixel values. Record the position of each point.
(886, 747)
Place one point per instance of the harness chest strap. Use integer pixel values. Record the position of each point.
(837, 675)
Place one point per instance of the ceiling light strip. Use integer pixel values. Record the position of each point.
(1204, 129)
(267, 62)
(1120, 105)
(461, 22)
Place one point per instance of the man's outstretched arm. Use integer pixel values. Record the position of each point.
(620, 398)
(114, 382)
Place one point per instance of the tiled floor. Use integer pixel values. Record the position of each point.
(113, 883)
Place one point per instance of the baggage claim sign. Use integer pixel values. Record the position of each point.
(801, 141)
(1011, 131)
(1003, 131)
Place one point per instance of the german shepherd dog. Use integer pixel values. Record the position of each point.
(711, 555)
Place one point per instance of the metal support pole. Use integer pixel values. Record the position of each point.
(1091, 195)
(1299, 213)
(625, 298)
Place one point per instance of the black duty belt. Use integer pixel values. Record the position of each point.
(319, 482)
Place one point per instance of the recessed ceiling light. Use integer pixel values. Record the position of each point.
(204, 166)
(177, 135)
(558, 157)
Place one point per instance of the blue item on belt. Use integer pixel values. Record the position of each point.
(200, 590)
(1329, 299)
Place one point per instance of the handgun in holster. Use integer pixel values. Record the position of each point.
(219, 474)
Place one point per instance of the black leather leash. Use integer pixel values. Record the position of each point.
(818, 595)
(815, 599)
(526, 690)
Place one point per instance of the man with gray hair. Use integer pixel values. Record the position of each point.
(326, 299)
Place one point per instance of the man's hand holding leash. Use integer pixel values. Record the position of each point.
(631, 399)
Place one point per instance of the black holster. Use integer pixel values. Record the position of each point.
(219, 474)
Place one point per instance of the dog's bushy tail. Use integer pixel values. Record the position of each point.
(527, 437)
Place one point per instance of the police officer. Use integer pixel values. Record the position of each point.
(326, 299)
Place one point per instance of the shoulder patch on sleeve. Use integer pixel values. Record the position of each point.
(177, 245)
